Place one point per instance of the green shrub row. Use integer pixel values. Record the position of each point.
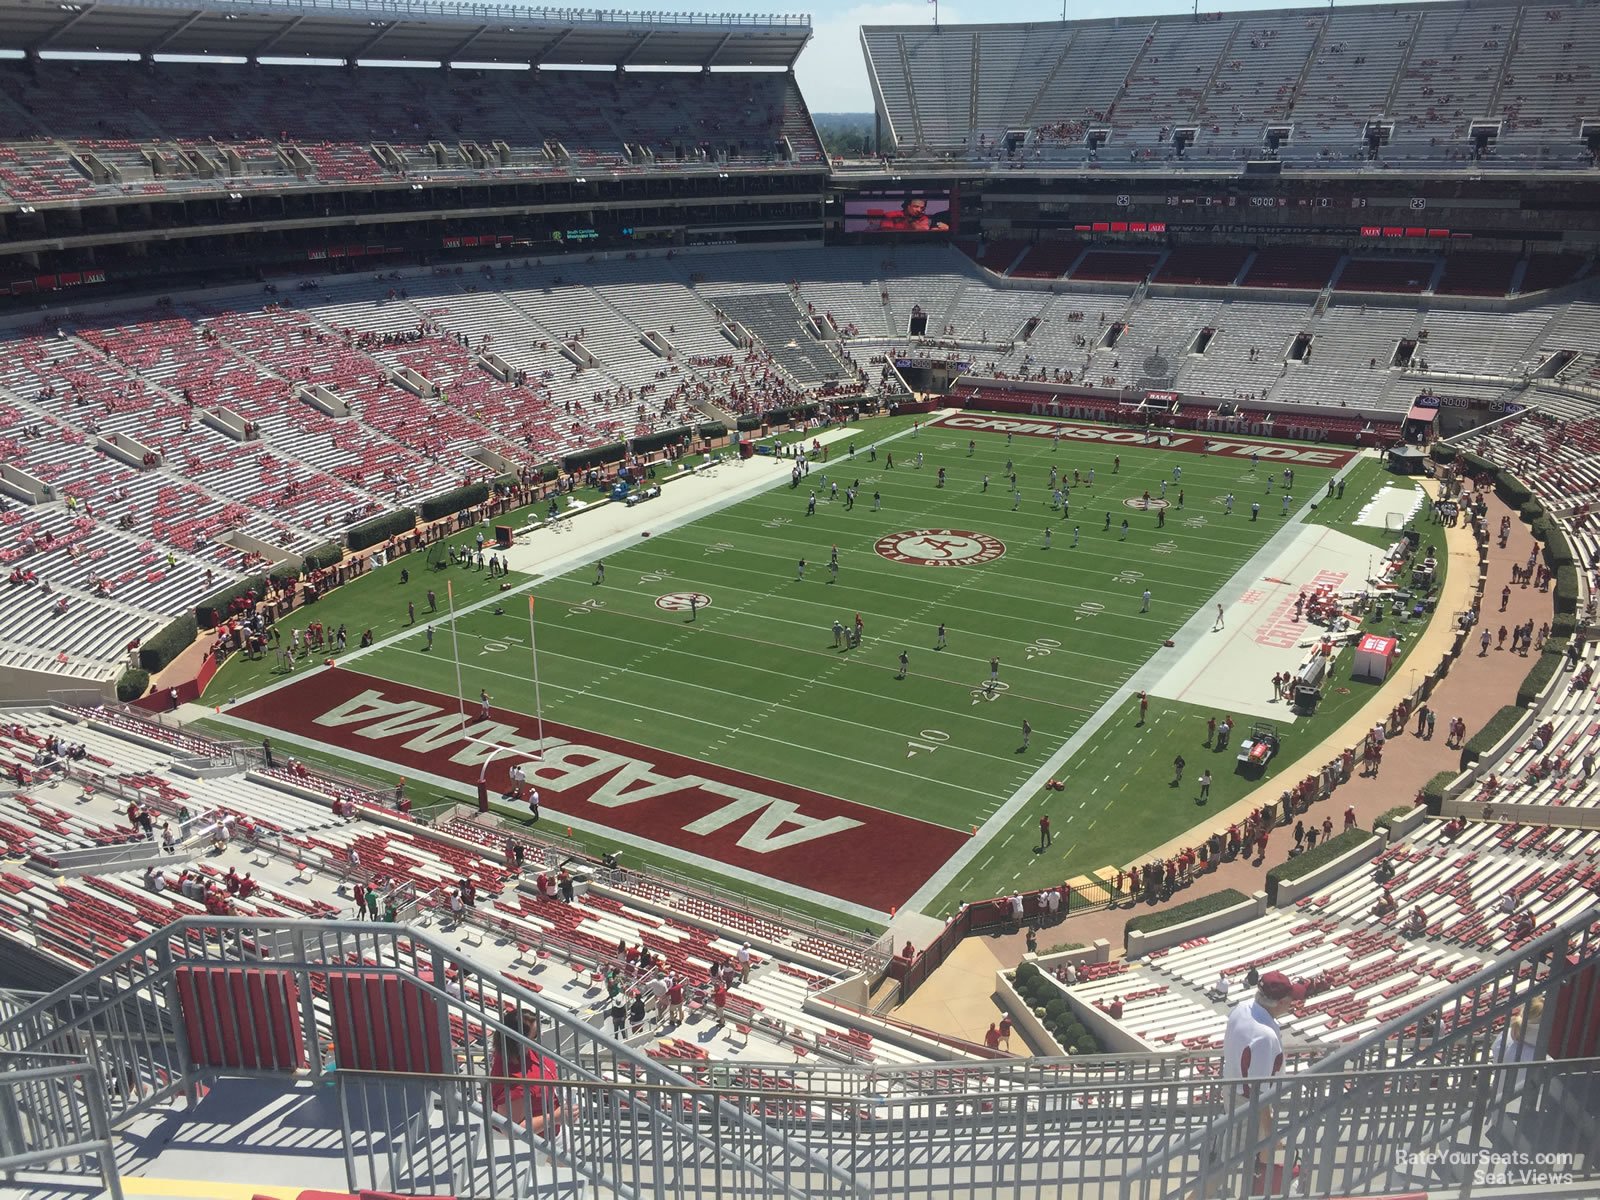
(1179, 913)
(1566, 599)
(325, 555)
(455, 500)
(380, 529)
(746, 424)
(651, 442)
(1061, 948)
(1044, 998)
(1542, 672)
(161, 647)
(132, 683)
(1308, 861)
(798, 412)
(1495, 728)
(1432, 791)
(596, 456)
(1390, 817)
(713, 430)
(220, 601)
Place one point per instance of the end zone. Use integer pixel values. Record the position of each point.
(1231, 670)
(1218, 445)
(792, 838)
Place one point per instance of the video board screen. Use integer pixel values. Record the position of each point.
(900, 212)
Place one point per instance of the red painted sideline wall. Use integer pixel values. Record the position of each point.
(160, 700)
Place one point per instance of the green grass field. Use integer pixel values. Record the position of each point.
(755, 683)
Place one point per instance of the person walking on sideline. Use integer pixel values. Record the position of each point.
(1044, 832)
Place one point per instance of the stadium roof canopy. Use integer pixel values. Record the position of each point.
(403, 30)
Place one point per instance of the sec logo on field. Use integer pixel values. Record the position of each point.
(940, 547)
(683, 601)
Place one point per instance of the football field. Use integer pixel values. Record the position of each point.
(695, 696)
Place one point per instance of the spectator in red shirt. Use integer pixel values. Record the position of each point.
(537, 1107)
(992, 1038)
(719, 1000)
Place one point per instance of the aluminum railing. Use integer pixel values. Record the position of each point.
(1419, 1102)
(53, 1119)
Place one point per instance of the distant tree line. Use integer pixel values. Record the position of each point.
(847, 134)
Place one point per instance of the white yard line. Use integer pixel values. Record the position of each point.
(1196, 628)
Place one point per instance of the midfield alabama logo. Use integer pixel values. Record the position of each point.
(1150, 504)
(791, 835)
(940, 547)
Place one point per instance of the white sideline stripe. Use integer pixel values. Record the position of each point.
(832, 658)
(739, 729)
(571, 562)
(1197, 627)
(715, 866)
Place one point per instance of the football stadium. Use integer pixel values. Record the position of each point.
(567, 635)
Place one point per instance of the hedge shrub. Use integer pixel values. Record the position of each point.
(1432, 792)
(1566, 599)
(746, 424)
(712, 430)
(1389, 817)
(1495, 728)
(793, 412)
(1308, 861)
(220, 601)
(1557, 550)
(1442, 453)
(1179, 913)
(132, 683)
(1542, 672)
(380, 529)
(325, 555)
(161, 647)
(652, 442)
(597, 456)
(454, 501)
(1510, 489)
(1062, 948)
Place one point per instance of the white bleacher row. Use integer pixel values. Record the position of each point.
(1552, 774)
(1323, 75)
(142, 769)
(89, 640)
(509, 929)
(33, 822)
(1559, 460)
(310, 475)
(1372, 969)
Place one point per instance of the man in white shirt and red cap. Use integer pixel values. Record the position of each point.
(1252, 1046)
